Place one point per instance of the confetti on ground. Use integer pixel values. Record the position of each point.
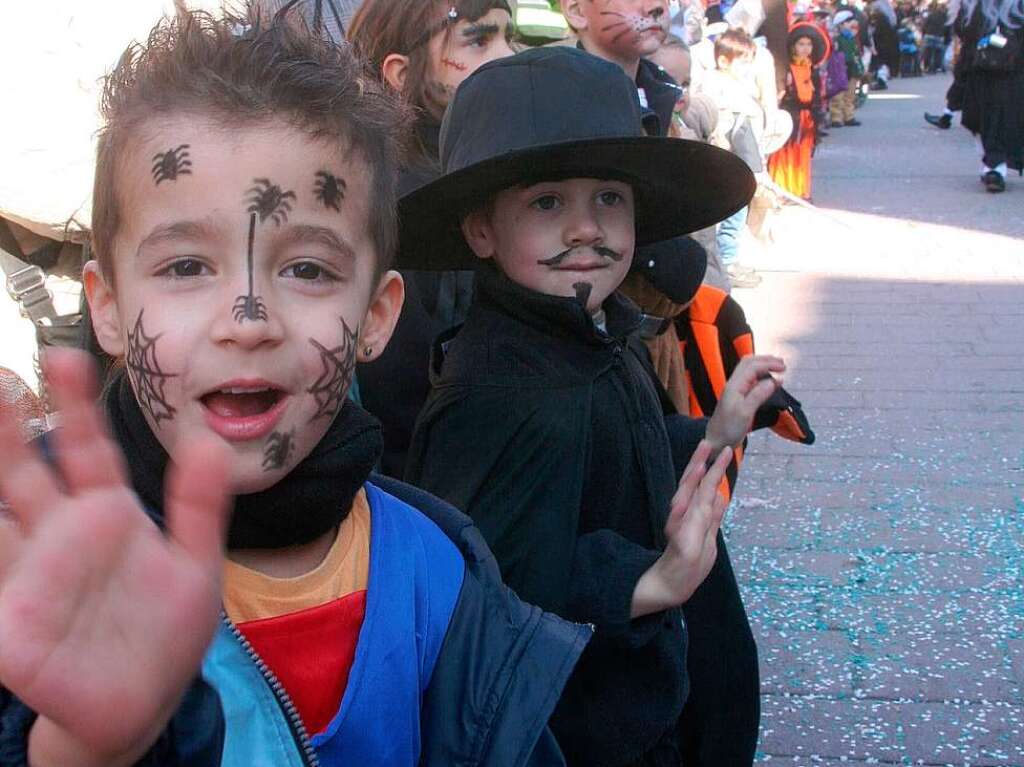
(883, 567)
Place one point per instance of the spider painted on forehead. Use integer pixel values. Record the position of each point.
(264, 200)
(167, 166)
(267, 200)
(329, 189)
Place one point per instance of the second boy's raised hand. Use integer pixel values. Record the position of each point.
(103, 619)
(691, 530)
(749, 387)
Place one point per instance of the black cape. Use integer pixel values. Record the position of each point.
(551, 435)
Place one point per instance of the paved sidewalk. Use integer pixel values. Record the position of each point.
(882, 567)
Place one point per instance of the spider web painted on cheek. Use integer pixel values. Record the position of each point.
(146, 375)
(339, 364)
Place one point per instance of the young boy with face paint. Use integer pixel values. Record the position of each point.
(716, 729)
(244, 223)
(544, 421)
(627, 32)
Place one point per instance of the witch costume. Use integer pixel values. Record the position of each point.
(790, 167)
(547, 425)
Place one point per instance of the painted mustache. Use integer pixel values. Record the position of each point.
(555, 260)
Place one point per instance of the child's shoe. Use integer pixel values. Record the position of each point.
(994, 181)
(852, 123)
(943, 121)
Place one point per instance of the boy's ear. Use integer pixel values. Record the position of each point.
(381, 316)
(106, 321)
(573, 12)
(479, 234)
(394, 69)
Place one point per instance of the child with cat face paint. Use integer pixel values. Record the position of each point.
(545, 422)
(244, 222)
(422, 50)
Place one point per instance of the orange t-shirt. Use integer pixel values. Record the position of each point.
(306, 628)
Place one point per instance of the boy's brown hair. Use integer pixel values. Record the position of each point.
(734, 43)
(244, 70)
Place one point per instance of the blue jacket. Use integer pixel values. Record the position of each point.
(484, 668)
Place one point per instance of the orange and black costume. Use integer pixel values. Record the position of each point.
(714, 337)
(790, 167)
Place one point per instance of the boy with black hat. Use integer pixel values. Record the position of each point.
(716, 730)
(545, 423)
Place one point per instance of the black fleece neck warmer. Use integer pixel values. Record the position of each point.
(310, 500)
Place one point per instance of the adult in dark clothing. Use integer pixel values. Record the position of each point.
(936, 37)
(954, 97)
(716, 730)
(992, 33)
(422, 49)
(572, 462)
(882, 18)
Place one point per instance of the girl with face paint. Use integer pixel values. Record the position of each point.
(423, 50)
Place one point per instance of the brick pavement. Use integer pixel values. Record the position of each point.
(882, 567)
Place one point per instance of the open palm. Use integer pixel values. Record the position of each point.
(103, 618)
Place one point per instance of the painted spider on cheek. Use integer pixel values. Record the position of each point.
(167, 166)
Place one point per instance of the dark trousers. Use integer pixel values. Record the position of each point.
(955, 94)
(720, 722)
(664, 753)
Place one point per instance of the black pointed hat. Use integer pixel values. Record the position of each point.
(559, 113)
(821, 45)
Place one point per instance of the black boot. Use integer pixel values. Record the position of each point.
(994, 181)
(943, 121)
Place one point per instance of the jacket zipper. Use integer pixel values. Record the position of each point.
(307, 752)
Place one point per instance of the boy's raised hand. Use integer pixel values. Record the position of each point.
(691, 531)
(103, 619)
(749, 387)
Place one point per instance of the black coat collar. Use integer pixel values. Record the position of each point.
(563, 318)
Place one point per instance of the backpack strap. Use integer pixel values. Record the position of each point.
(26, 283)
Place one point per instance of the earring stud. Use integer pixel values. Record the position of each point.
(367, 351)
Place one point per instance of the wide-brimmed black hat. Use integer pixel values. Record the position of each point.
(559, 113)
(821, 45)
